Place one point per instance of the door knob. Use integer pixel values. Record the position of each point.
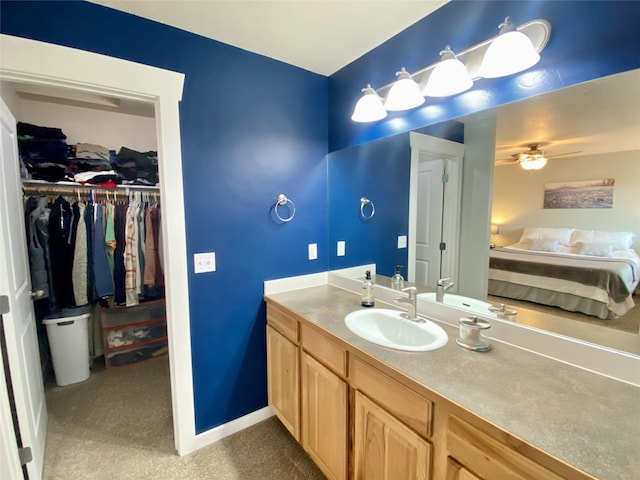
(37, 294)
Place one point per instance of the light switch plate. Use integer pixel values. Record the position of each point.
(341, 246)
(313, 251)
(402, 241)
(204, 262)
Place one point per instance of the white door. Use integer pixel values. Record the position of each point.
(434, 209)
(429, 219)
(19, 322)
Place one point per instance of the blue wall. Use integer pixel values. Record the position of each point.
(251, 128)
(589, 39)
(379, 170)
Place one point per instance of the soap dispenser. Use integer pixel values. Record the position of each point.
(397, 281)
(367, 291)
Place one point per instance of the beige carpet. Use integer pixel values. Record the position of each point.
(118, 425)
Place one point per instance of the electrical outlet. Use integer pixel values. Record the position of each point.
(402, 241)
(204, 262)
(313, 251)
(341, 246)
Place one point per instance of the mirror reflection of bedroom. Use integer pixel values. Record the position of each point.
(567, 234)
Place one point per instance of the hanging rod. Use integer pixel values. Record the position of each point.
(68, 188)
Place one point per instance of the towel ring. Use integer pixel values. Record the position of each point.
(363, 202)
(281, 202)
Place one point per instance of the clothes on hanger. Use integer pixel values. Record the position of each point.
(86, 252)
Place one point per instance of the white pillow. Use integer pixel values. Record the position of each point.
(619, 240)
(596, 249)
(544, 245)
(561, 235)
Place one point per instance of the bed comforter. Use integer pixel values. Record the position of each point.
(598, 286)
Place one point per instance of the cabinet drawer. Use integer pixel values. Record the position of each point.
(405, 404)
(323, 349)
(283, 323)
(488, 457)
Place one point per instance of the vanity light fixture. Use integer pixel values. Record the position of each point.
(449, 76)
(409, 90)
(369, 108)
(404, 94)
(511, 52)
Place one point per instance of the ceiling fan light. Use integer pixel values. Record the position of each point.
(449, 76)
(511, 52)
(404, 94)
(369, 108)
(533, 163)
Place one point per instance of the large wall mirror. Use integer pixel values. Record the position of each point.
(588, 132)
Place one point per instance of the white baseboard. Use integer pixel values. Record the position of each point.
(218, 433)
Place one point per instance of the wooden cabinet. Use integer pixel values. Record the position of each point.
(412, 409)
(384, 448)
(358, 418)
(487, 457)
(283, 381)
(309, 397)
(455, 471)
(324, 417)
(134, 334)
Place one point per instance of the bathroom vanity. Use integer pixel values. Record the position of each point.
(367, 412)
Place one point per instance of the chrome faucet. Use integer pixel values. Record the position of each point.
(410, 301)
(441, 288)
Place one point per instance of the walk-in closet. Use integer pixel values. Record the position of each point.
(92, 210)
(112, 103)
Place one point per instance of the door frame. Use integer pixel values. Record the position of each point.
(453, 155)
(37, 63)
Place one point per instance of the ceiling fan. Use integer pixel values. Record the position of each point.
(532, 159)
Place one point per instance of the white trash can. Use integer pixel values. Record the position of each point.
(69, 345)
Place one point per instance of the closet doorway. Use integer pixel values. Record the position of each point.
(49, 68)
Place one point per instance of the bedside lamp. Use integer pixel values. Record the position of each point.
(495, 229)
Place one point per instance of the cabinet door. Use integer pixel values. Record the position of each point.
(282, 380)
(386, 449)
(324, 417)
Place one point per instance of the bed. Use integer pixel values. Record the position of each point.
(587, 271)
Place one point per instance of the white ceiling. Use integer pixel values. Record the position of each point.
(318, 35)
(600, 116)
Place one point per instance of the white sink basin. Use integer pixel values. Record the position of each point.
(476, 306)
(389, 329)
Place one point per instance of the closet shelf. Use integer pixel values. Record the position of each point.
(134, 334)
(44, 186)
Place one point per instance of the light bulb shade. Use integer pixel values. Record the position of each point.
(404, 93)
(369, 108)
(511, 52)
(533, 163)
(449, 77)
